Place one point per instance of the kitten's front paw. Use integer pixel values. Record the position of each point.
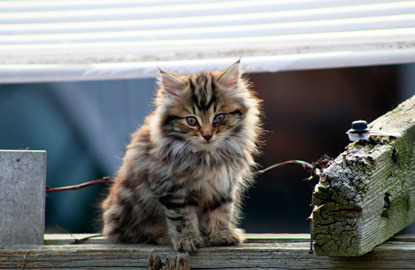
(227, 238)
(190, 243)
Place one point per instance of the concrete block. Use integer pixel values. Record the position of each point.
(22, 197)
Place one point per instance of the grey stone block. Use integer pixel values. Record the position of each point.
(22, 197)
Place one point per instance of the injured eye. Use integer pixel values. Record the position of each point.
(219, 119)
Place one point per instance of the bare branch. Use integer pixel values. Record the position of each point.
(105, 179)
(314, 169)
(306, 166)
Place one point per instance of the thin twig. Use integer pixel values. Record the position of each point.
(105, 179)
(78, 241)
(306, 166)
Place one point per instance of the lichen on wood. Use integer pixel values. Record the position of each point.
(368, 193)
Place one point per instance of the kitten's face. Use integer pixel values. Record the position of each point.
(204, 126)
(203, 110)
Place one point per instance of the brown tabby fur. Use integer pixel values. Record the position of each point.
(185, 169)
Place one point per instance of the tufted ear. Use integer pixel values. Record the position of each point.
(171, 83)
(231, 77)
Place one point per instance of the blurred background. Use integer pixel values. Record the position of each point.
(85, 126)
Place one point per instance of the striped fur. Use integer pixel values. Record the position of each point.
(185, 169)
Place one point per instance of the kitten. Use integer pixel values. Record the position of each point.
(185, 169)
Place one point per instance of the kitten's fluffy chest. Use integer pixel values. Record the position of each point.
(214, 182)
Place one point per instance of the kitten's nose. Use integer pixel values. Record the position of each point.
(207, 136)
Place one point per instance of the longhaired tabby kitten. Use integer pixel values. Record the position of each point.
(185, 169)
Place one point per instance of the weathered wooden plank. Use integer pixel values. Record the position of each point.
(368, 194)
(63, 239)
(22, 196)
(278, 251)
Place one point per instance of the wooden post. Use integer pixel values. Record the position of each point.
(22, 197)
(368, 194)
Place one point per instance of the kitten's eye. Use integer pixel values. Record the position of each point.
(219, 119)
(192, 121)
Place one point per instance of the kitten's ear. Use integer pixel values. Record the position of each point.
(171, 83)
(231, 77)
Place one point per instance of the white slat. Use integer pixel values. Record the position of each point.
(293, 16)
(239, 31)
(85, 40)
